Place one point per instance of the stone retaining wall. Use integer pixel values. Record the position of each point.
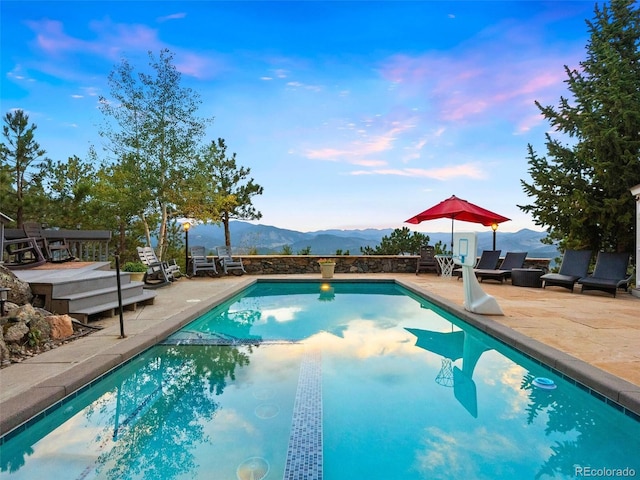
(291, 264)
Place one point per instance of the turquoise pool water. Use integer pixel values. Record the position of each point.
(335, 381)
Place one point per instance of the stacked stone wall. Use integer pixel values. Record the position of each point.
(299, 264)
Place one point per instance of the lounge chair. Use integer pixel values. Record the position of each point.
(575, 264)
(511, 260)
(427, 261)
(487, 261)
(200, 262)
(228, 262)
(609, 275)
(54, 249)
(158, 273)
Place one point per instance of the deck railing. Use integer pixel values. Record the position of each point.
(85, 245)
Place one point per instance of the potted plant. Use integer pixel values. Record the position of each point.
(136, 270)
(327, 267)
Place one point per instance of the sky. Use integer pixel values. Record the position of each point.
(351, 115)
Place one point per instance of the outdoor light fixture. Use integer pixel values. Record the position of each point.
(4, 294)
(186, 226)
(494, 227)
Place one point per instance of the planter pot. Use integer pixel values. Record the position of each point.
(136, 276)
(327, 269)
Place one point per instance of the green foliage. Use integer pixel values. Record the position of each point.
(34, 337)
(156, 169)
(580, 191)
(286, 250)
(20, 188)
(305, 251)
(154, 134)
(219, 190)
(400, 242)
(134, 267)
(341, 252)
(441, 248)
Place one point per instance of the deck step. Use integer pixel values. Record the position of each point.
(81, 300)
(109, 309)
(86, 291)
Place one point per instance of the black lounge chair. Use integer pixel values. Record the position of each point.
(487, 261)
(575, 265)
(511, 260)
(609, 275)
(427, 261)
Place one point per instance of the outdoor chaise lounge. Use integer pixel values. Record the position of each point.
(200, 262)
(609, 275)
(427, 261)
(575, 265)
(228, 262)
(511, 260)
(487, 261)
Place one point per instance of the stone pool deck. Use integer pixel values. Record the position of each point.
(592, 337)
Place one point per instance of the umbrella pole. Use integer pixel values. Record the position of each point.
(452, 235)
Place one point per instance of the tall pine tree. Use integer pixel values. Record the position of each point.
(580, 190)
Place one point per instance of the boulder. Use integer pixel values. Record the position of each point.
(24, 313)
(20, 292)
(15, 331)
(61, 326)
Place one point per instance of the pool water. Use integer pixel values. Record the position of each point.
(327, 380)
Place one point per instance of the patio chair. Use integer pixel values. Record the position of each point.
(511, 260)
(54, 249)
(22, 253)
(427, 261)
(488, 261)
(609, 275)
(200, 262)
(575, 264)
(227, 262)
(158, 273)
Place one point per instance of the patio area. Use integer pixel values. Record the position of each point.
(572, 332)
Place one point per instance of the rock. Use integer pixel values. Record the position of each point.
(25, 313)
(20, 292)
(15, 331)
(42, 325)
(4, 353)
(61, 326)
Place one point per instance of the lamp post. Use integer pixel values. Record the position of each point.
(494, 227)
(4, 295)
(186, 226)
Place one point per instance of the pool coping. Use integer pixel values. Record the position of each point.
(18, 411)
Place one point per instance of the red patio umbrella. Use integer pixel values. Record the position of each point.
(457, 209)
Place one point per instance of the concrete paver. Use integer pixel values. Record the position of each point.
(573, 331)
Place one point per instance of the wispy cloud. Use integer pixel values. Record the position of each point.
(173, 16)
(468, 170)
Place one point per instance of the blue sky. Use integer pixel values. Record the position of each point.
(349, 114)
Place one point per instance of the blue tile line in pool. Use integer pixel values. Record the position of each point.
(304, 455)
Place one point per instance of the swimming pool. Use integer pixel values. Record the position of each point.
(331, 380)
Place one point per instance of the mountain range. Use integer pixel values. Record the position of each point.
(266, 239)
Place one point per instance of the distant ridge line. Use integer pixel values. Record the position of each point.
(266, 239)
